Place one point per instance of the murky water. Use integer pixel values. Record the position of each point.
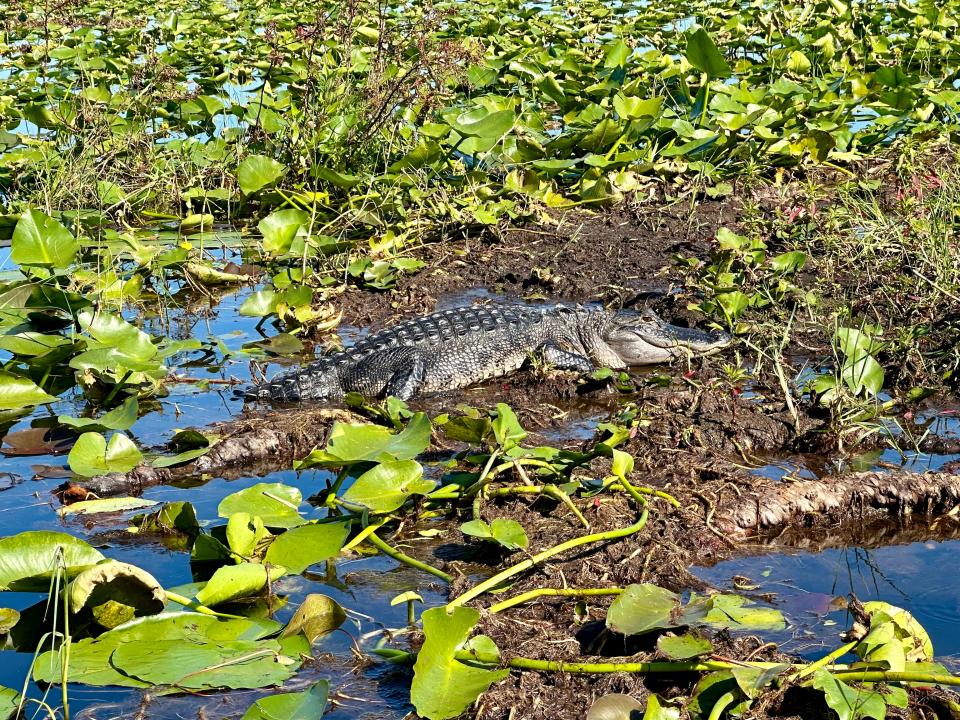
(803, 585)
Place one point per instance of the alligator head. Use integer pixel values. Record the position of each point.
(643, 338)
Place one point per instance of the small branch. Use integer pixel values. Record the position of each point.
(406, 559)
(553, 592)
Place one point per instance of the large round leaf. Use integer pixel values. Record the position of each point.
(28, 560)
(233, 582)
(92, 455)
(274, 503)
(38, 239)
(301, 547)
(386, 486)
(17, 392)
(310, 703)
(257, 172)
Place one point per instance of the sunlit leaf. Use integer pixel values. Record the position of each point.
(38, 239)
(28, 560)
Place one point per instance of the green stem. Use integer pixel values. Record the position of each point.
(522, 663)
(116, 388)
(722, 703)
(197, 607)
(406, 559)
(927, 678)
(552, 592)
(824, 661)
(557, 494)
(482, 480)
(500, 577)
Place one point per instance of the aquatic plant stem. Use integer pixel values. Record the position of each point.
(530, 562)
(197, 607)
(722, 703)
(406, 559)
(927, 678)
(824, 661)
(523, 663)
(553, 592)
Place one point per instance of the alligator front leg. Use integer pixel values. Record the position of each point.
(407, 380)
(566, 360)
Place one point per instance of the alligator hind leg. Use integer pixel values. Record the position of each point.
(406, 382)
(565, 360)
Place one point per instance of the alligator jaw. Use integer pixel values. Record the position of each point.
(645, 339)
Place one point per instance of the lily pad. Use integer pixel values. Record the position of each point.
(120, 418)
(232, 582)
(274, 503)
(17, 391)
(351, 443)
(443, 687)
(28, 560)
(386, 487)
(92, 455)
(38, 239)
(105, 505)
(300, 547)
(318, 615)
(310, 703)
(508, 533)
(116, 592)
(257, 172)
(9, 703)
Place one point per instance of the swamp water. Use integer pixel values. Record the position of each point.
(802, 585)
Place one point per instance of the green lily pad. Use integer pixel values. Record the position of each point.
(371, 443)
(120, 418)
(38, 239)
(300, 547)
(233, 582)
(16, 392)
(318, 615)
(508, 533)
(443, 687)
(92, 455)
(9, 703)
(274, 503)
(28, 560)
(310, 703)
(385, 487)
(257, 172)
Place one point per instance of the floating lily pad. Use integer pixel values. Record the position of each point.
(92, 455)
(300, 547)
(232, 582)
(17, 391)
(385, 487)
(29, 560)
(306, 704)
(274, 503)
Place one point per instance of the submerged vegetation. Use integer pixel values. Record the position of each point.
(317, 166)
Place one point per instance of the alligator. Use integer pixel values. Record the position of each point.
(455, 348)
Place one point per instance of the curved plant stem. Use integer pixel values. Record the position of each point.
(485, 476)
(500, 577)
(197, 607)
(406, 559)
(722, 703)
(557, 494)
(643, 490)
(553, 592)
(823, 662)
